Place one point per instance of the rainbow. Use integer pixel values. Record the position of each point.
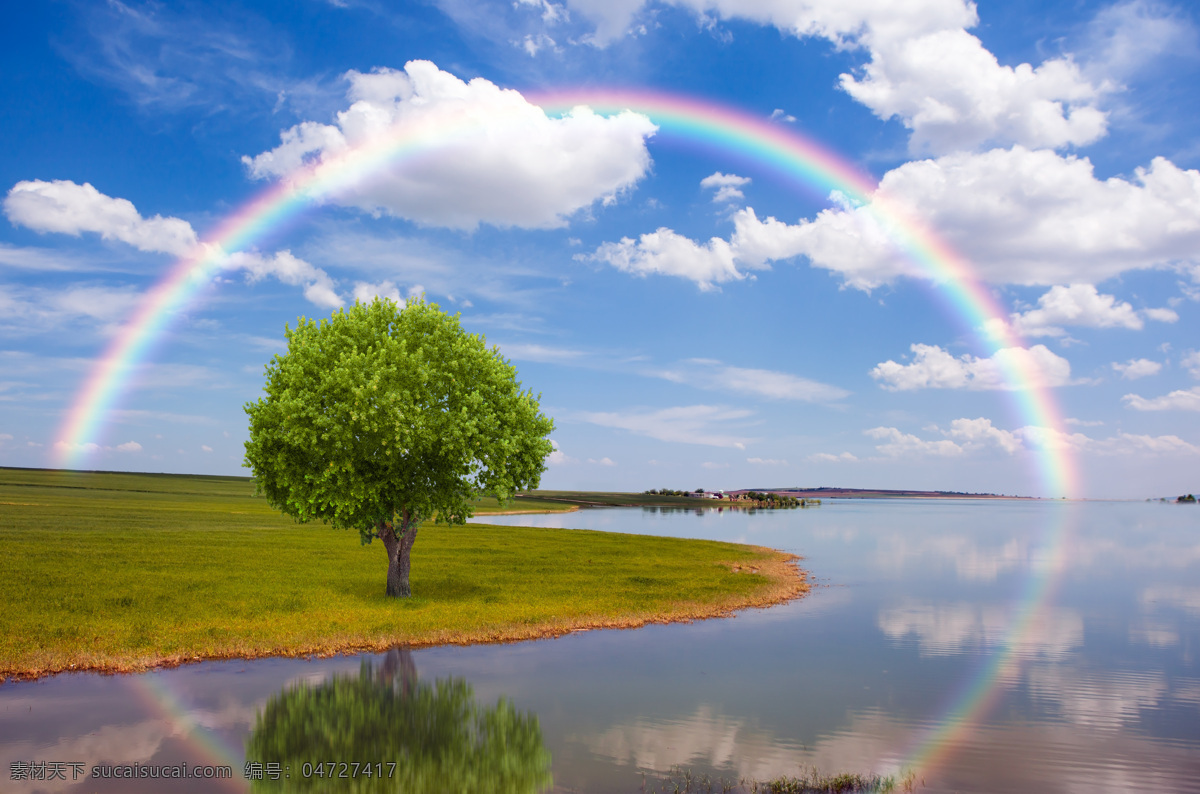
(155, 691)
(724, 129)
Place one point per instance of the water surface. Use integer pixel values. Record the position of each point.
(995, 646)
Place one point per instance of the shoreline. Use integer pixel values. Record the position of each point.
(787, 581)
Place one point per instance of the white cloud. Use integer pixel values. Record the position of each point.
(1019, 216)
(65, 207)
(980, 432)
(1082, 305)
(753, 246)
(206, 448)
(1163, 315)
(1137, 368)
(318, 286)
(1127, 38)
(367, 292)
(925, 69)
(902, 445)
(129, 446)
(664, 252)
(954, 95)
(487, 155)
(767, 461)
(825, 457)
(532, 44)
(605, 461)
(1180, 400)
(779, 114)
(708, 464)
(727, 186)
(557, 457)
(934, 368)
(1191, 362)
(709, 374)
(707, 425)
(551, 12)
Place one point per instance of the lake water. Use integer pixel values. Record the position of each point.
(991, 646)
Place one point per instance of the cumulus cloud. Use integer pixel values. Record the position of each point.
(129, 446)
(934, 368)
(903, 445)
(367, 292)
(65, 207)
(1018, 216)
(727, 186)
(68, 208)
(954, 95)
(1180, 400)
(706, 425)
(318, 286)
(711, 374)
(1137, 368)
(487, 154)
(980, 432)
(767, 461)
(753, 246)
(924, 68)
(1082, 305)
(664, 252)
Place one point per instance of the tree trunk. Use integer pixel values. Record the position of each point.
(398, 545)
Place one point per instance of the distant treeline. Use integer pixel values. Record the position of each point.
(754, 498)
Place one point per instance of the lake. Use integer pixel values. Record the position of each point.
(1001, 646)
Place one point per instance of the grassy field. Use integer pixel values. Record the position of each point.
(121, 572)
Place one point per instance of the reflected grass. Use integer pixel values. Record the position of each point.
(122, 572)
(807, 781)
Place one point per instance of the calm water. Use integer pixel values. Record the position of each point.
(1012, 646)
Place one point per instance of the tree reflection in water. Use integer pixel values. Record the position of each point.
(438, 737)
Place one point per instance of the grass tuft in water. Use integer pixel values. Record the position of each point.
(809, 781)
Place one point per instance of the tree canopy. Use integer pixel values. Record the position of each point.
(383, 416)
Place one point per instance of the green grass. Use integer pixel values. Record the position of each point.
(112, 571)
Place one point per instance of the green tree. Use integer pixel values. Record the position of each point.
(397, 734)
(383, 416)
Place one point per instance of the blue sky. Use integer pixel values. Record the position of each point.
(678, 337)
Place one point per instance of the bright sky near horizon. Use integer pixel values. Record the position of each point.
(691, 316)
